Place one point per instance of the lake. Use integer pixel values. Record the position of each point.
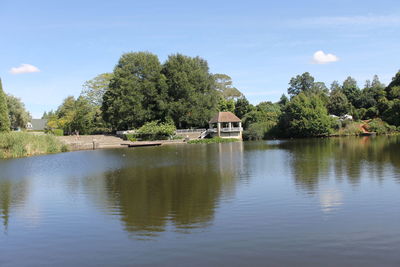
(310, 202)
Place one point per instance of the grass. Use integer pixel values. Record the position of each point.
(213, 140)
(18, 144)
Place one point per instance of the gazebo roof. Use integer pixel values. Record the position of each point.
(224, 117)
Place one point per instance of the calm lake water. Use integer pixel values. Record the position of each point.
(313, 202)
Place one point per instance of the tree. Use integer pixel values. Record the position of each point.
(226, 105)
(223, 84)
(4, 115)
(338, 103)
(191, 95)
(137, 93)
(305, 116)
(19, 117)
(283, 100)
(94, 89)
(335, 86)
(242, 106)
(300, 83)
(352, 92)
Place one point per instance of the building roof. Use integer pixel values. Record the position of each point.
(225, 117)
(38, 124)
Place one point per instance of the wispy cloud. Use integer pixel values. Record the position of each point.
(369, 20)
(320, 57)
(24, 68)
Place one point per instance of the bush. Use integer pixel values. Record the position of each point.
(380, 127)
(260, 130)
(17, 144)
(58, 132)
(156, 131)
(130, 137)
(350, 129)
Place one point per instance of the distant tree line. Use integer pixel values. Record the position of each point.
(182, 92)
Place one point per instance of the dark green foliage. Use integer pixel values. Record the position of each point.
(155, 131)
(305, 116)
(338, 103)
(394, 83)
(392, 114)
(4, 115)
(191, 95)
(263, 112)
(261, 130)
(300, 83)
(242, 106)
(283, 100)
(137, 93)
(352, 92)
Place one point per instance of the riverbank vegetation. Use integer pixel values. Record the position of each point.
(19, 144)
(181, 92)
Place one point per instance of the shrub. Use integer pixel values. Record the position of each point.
(130, 137)
(380, 127)
(156, 131)
(260, 130)
(58, 132)
(350, 128)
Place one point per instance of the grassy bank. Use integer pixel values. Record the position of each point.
(17, 145)
(213, 140)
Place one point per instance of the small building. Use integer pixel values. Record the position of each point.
(225, 125)
(36, 125)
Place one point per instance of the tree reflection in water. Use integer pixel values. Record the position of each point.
(12, 194)
(179, 188)
(355, 157)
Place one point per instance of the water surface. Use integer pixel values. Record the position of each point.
(311, 202)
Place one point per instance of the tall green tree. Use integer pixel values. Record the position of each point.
(305, 116)
(191, 94)
(19, 117)
(352, 92)
(242, 106)
(300, 83)
(338, 103)
(137, 93)
(4, 114)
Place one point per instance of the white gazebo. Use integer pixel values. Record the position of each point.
(225, 125)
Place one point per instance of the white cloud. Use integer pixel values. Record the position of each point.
(320, 57)
(24, 68)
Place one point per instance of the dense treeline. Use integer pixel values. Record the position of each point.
(182, 92)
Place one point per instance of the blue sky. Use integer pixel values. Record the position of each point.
(260, 44)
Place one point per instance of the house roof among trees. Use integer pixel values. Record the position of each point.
(38, 124)
(225, 117)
